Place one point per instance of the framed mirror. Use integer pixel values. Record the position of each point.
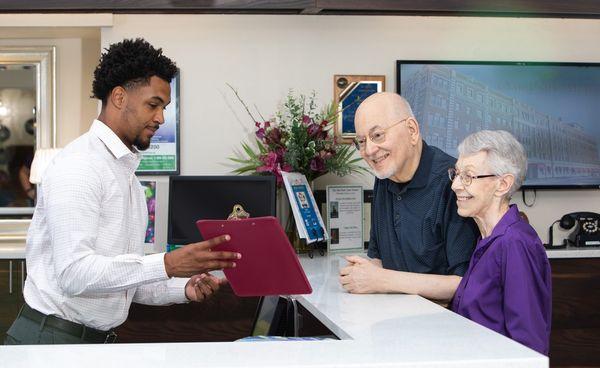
(27, 121)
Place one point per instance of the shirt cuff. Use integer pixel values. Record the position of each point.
(154, 267)
(176, 290)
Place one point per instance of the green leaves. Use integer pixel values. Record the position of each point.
(252, 161)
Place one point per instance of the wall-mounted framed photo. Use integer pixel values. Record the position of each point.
(348, 92)
(162, 157)
(452, 99)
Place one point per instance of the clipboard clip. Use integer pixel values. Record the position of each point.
(238, 213)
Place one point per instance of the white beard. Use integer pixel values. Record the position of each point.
(385, 174)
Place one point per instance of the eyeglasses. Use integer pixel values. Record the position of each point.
(376, 136)
(465, 178)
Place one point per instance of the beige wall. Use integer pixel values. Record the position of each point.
(264, 56)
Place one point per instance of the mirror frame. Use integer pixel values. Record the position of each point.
(44, 60)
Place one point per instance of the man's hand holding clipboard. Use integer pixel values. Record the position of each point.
(196, 260)
(269, 266)
(199, 258)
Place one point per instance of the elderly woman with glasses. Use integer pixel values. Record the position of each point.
(507, 286)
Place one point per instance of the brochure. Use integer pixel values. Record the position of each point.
(304, 208)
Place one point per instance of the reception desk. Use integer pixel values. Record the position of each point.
(374, 331)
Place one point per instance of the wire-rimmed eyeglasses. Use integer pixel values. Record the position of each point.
(377, 136)
(465, 178)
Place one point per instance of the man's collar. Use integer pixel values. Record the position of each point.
(110, 139)
(421, 177)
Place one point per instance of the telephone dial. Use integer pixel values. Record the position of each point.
(586, 232)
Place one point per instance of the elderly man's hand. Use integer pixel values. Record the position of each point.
(203, 286)
(361, 276)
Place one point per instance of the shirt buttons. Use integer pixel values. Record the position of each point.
(399, 198)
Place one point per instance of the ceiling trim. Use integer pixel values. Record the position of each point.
(494, 8)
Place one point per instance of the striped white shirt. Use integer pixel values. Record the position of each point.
(85, 256)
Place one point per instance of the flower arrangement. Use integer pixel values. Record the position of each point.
(297, 139)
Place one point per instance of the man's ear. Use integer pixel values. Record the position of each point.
(413, 129)
(118, 97)
(505, 182)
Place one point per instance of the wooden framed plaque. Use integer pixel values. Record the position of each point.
(348, 92)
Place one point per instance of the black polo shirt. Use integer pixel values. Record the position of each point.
(415, 226)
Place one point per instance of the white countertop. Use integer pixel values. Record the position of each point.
(12, 250)
(376, 331)
(15, 249)
(574, 252)
(13, 234)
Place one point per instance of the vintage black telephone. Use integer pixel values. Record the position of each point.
(585, 234)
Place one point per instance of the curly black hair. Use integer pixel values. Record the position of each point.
(128, 64)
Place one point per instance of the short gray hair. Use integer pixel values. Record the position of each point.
(505, 154)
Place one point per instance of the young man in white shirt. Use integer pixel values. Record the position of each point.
(85, 256)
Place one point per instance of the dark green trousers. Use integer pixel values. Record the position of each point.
(25, 331)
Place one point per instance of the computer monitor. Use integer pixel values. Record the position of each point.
(193, 198)
(274, 317)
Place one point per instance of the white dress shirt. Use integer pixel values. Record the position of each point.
(85, 256)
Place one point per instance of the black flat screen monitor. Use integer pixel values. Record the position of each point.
(274, 317)
(551, 108)
(192, 198)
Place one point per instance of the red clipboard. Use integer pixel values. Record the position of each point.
(269, 264)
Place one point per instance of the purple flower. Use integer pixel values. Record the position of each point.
(306, 119)
(313, 130)
(260, 133)
(273, 163)
(269, 162)
(273, 136)
(317, 164)
(280, 151)
(325, 155)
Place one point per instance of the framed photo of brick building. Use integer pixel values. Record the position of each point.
(551, 108)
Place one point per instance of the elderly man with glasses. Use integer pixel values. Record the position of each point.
(419, 244)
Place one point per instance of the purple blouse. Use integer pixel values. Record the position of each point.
(508, 285)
